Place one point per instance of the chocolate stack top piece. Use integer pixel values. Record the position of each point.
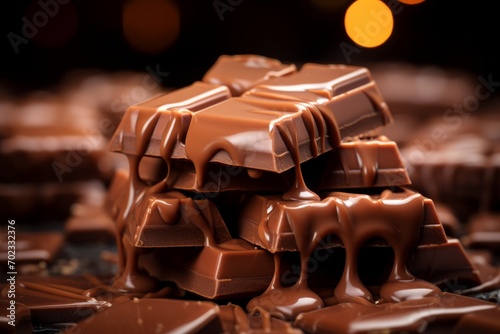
(281, 118)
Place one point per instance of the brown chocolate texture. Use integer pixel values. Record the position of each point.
(265, 199)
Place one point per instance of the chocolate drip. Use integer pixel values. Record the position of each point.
(299, 191)
(395, 218)
(367, 159)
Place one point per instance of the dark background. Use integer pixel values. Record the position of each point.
(88, 34)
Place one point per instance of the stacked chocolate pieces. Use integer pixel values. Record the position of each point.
(269, 182)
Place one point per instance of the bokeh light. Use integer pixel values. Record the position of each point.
(411, 2)
(369, 23)
(151, 26)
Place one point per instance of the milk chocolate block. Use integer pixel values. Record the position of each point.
(172, 220)
(154, 315)
(56, 157)
(50, 140)
(110, 94)
(234, 268)
(421, 91)
(370, 162)
(364, 164)
(37, 202)
(457, 162)
(32, 247)
(346, 93)
(52, 300)
(426, 315)
(161, 123)
(272, 223)
(296, 117)
(89, 224)
(431, 262)
(223, 178)
(483, 231)
(242, 72)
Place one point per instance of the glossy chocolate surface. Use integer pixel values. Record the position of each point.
(263, 199)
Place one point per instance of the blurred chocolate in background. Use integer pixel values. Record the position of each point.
(44, 40)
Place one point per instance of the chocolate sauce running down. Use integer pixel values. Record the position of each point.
(355, 219)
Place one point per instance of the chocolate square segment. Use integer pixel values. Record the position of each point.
(349, 93)
(242, 72)
(144, 126)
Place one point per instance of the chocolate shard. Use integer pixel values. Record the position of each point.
(242, 72)
(161, 123)
(154, 315)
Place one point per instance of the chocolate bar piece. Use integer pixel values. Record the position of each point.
(267, 221)
(161, 123)
(110, 94)
(364, 164)
(457, 164)
(32, 247)
(57, 300)
(242, 72)
(49, 140)
(39, 202)
(284, 121)
(154, 315)
(354, 164)
(172, 220)
(55, 157)
(483, 231)
(424, 315)
(89, 224)
(234, 268)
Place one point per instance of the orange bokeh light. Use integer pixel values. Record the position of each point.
(369, 23)
(151, 26)
(411, 2)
